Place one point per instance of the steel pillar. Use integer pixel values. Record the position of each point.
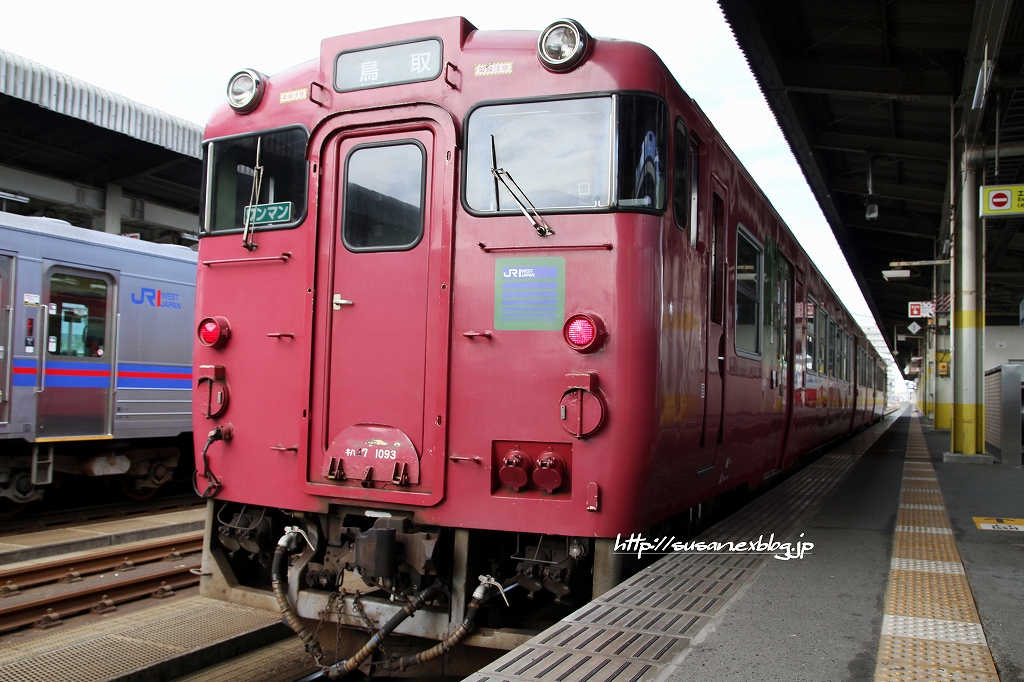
(968, 319)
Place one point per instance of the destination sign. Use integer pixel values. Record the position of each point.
(1004, 200)
(392, 65)
(266, 214)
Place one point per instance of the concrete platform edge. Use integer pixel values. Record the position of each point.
(55, 549)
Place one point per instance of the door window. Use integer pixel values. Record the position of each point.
(748, 294)
(77, 324)
(383, 201)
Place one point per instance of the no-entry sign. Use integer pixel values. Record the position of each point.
(1004, 200)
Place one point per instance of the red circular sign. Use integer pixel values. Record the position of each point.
(999, 199)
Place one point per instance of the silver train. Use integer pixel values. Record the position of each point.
(95, 357)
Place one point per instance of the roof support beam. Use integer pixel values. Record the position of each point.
(884, 146)
(92, 200)
(889, 191)
(931, 86)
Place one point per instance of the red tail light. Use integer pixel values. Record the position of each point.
(214, 332)
(582, 332)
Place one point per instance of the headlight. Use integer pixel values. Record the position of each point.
(245, 90)
(562, 45)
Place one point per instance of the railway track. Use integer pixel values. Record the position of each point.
(96, 581)
(117, 510)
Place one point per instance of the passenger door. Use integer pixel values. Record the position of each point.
(714, 366)
(6, 334)
(74, 384)
(383, 349)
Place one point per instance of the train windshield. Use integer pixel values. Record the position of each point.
(591, 153)
(259, 179)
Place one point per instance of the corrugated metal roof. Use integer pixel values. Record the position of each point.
(63, 230)
(32, 82)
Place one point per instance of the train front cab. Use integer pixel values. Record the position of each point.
(412, 330)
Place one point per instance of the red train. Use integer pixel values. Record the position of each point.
(477, 302)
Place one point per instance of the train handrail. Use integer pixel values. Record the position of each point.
(41, 378)
(606, 246)
(117, 350)
(8, 362)
(283, 257)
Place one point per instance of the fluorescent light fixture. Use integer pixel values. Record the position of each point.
(7, 196)
(895, 274)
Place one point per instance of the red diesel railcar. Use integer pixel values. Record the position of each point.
(477, 302)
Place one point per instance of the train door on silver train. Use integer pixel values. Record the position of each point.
(714, 367)
(383, 319)
(6, 334)
(74, 383)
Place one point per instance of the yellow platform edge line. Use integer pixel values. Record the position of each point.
(929, 643)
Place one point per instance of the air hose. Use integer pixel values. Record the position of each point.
(213, 483)
(342, 668)
(480, 595)
(279, 582)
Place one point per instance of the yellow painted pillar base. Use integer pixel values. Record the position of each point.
(943, 419)
(965, 429)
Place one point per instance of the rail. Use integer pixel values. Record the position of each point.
(66, 569)
(99, 597)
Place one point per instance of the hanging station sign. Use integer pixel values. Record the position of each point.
(1002, 200)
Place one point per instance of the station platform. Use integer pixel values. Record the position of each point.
(900, 583)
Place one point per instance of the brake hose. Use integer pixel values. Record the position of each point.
(213, 484)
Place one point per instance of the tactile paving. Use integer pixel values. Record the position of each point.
(930, 629)
(284, 661)
(127, 643)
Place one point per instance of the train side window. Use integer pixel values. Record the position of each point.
(717, 254)
(643, 152)
(383, 203)
(680, 183)
(748, 293)
(847, 357)
(831, 347)
(77, 323)
(809, 349)
(694, 187)
(821, 327)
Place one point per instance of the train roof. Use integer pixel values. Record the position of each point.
(63, 230)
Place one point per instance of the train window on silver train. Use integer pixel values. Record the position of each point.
(748, 293)
(643, 158)
(680, 182)
(383, 202)
(77, 322)
(810, 346)
(257, 178)
(559, 152)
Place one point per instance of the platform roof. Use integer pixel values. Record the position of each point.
(57, 127)
(887, 85)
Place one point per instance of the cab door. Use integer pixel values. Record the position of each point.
(6, 334)
(386, 325)
(74, 383)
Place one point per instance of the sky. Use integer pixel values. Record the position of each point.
(178, 57)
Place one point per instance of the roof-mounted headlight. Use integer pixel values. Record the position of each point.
(245, 90)
(562, 45)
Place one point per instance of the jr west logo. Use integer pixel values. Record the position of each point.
(156, 298)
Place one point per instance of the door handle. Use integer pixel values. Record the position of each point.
(339, 301)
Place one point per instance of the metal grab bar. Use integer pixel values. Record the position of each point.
(606, 246)
(283, 257)
(45, 324)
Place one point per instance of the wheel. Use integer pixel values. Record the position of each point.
(10, 509)
(133, 493)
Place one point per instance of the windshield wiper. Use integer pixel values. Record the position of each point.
(249, 212)
(502, 175)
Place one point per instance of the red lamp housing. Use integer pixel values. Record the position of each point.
(583, 333)
(214, 332)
